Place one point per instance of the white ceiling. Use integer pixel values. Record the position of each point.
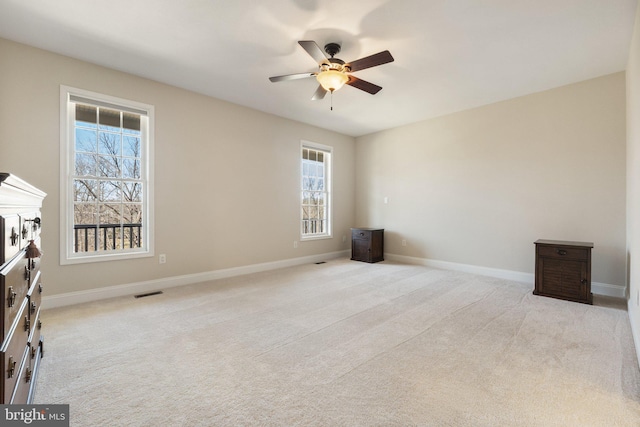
(450, 55)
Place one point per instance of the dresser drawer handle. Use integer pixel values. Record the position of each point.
(11, 297)
(361, 234)
(14, 237)
(561, 252)
(583, 281)
(33, 307)
(27, 324)
(11, 367)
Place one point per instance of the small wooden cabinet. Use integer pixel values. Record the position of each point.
(367, 244)
(563, 270)
(20, 289)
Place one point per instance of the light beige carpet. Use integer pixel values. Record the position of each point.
(343, 344)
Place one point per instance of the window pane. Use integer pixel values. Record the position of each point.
(132, 213)
(132, 192)
(108, 167)
(109, 143)
(86, 140)
(85, 165)
(84, 213)
(110, 191)
(131, 146)
(86, 115)
(131, 122)
(109, 119)
(109, 213)
(130, 168)
(85, 190)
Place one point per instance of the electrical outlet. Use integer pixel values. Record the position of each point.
(404, 242)
(344, 239)
(295, 244)
(162, 258)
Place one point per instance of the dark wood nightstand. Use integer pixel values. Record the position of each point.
(563, 270)
(367, 244)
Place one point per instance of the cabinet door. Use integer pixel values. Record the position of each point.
(360, 250)
(563, 278)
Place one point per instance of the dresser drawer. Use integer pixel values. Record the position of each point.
(563, 252)
(12, 354)
(34, 295)
(36, 329)
(14, 285)
(23, 380)
(33, 264)
(30, 227)
(11, 232)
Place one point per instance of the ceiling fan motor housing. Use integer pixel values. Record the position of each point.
(332, 49)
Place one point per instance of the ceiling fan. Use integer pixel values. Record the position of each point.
(333, 72)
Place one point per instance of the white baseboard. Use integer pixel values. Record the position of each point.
(517, 276)
(635, 333)
(89, 295)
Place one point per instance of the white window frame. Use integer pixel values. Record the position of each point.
(67, 171)
(328, 189)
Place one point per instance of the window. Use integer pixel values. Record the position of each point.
(106, 179)
(316, 191)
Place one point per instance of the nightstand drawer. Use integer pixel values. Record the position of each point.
(563, 252)
(361, 235)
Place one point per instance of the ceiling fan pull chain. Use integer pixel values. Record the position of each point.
(331, 100)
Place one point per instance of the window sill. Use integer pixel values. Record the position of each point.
(320, 237)
(84, 259)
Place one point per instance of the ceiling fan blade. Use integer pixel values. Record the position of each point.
(314, 50)
(319, 93)
(291, 77)
(370, 61)
(363, 85)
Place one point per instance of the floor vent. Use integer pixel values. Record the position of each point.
(148, 295)
(321, 262)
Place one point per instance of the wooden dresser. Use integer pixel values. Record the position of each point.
(367, 244)
(563, 270)
(21, 288)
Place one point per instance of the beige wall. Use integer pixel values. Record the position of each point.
(633, 181)
(226, 188)
(480, 186)
(475, 187)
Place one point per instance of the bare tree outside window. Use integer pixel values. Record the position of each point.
(107, 186)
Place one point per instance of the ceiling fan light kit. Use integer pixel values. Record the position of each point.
(332, 80)
(333, 72)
